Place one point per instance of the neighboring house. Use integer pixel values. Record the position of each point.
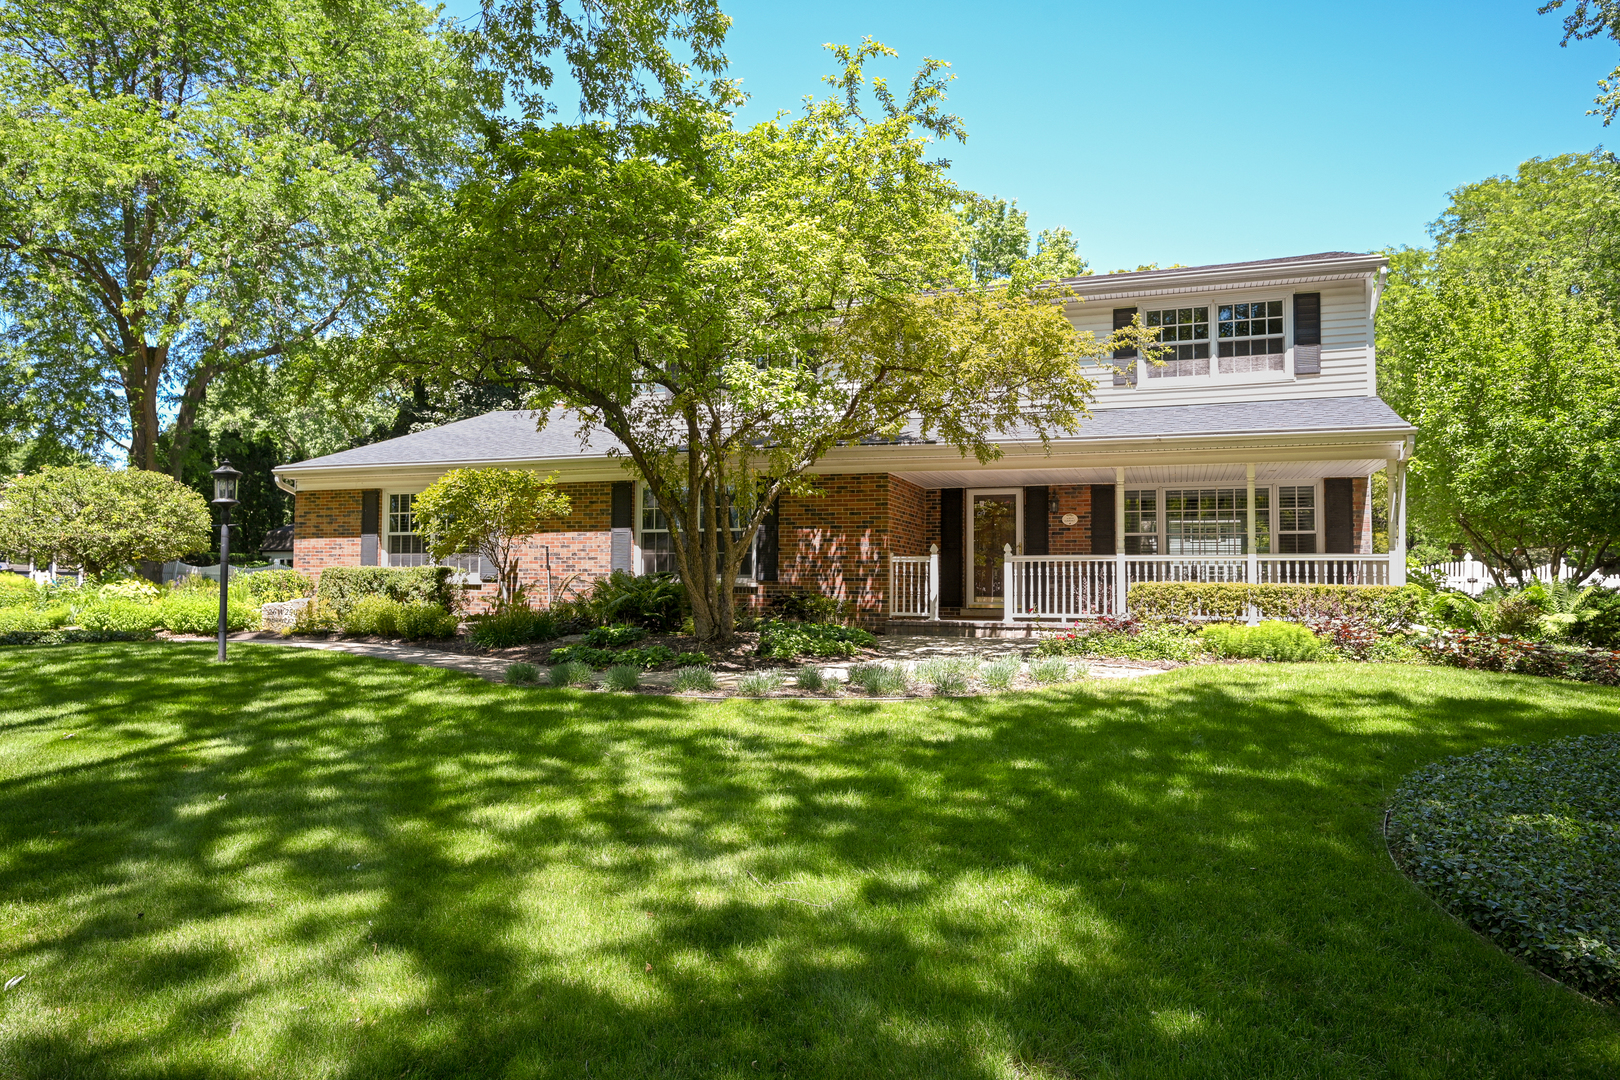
(278, 545)
(1269, 403)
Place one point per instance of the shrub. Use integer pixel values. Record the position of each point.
(810, 677)
(611, 636)
(1495, 652)
(622, 677)
(514, 625)
(571, 673)
(342, 587)
(1049, 669)
(650, 656)
(759, 683)
(584, 654)
(1389, 607)
(425, 622)
(117, 614)
(17, 591)
(1518, 615)
(70, 637)
(278, 586)
(786, 640)
(521, 674)
(130, 590)
(1000, 674)
(1126, 639)
(1520, 843)
(693, 677)
(805, 606)
(688, 659)
(316, 617)
(196, 611)
(370, 616)
(1271, 640)
(655, 601)
(879, 680)
(1598, 618)
(1350, 634)
(32, 620)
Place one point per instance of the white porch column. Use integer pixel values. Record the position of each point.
(1006, 584)
(1253, 569)
(933, 582)
(1122, 583)
(1396, 471)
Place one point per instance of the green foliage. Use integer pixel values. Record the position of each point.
(879, 680)
(655, 601)
(611, 636)
(343, 586)
(947, 675)
(692, 658)
(372, 616)
(571, 673)
(69, 636)
(196, 611)
(1502, 346)
(100, 519)
(999, 674)
(521, 674)
(191, 189)
(693, 678)
(786, 640)
(136, 590)
(278, 586)
(760, 683)
(810, 677)
(30, 620)
(622, 677)
(17, 591)
(514, 625)
(1050, 669)
(802, 605)
(1520, 843)
(488, 512)
(1271, 640)
(1388, 606)
(649, 657)
(118, 614)
(425, 622)
(316, 617)
(1126, 639)
(997, 241)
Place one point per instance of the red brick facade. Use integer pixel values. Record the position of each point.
(1064, 539)
(327, 527)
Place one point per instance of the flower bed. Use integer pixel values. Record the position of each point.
(1497, 652)
(1523, 844)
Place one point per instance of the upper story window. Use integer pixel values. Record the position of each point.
(1188, 329)
(1251, 336)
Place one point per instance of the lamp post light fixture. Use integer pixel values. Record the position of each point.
(225, 479)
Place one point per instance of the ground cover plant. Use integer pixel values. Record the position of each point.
(1269, 640)
(309, 864)
(784, 640)
(1523, 843)
(1126, 638)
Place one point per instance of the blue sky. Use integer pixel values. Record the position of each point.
(1183, 132)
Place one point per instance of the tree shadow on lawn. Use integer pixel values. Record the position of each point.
(412, 872)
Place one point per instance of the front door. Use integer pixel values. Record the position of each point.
(995, 519)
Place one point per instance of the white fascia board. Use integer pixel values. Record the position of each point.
(1120, 286)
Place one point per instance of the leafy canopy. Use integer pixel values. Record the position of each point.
(100, 519)
(733, 304)
(998, 240)
(487, 512)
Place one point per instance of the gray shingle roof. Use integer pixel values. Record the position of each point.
(511, 436)
(1253, 264)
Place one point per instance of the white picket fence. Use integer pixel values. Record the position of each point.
(1473, 577)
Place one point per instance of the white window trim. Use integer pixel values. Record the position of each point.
(1271, 511)
(636, 547)
(465, 577)
(1216, 376)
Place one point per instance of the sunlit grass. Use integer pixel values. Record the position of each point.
(313, 865)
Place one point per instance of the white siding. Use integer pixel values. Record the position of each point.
(1346, 356)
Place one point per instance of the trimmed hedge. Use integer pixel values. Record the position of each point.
(342, 586)
(1388, 605)
(1521, 843)
(71, 637)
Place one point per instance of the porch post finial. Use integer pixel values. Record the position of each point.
(1007, 584)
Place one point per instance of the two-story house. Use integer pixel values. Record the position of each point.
(1244, 455)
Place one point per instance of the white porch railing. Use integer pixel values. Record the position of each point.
(1067, 587)
(914, 584)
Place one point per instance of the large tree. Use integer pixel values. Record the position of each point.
(998, 239)
(733, 304)
(1584, 20)
(1502, 345)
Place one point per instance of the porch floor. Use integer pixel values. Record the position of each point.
(967, 627)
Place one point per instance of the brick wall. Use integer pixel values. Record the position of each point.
(838, 543)
(1069, 539)
(326, 530)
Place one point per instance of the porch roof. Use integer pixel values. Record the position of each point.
(510, 438)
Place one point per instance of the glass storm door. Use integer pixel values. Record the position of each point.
(995, 520)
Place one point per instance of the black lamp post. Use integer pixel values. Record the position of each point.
(225, 479)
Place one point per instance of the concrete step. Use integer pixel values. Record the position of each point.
(968, 628)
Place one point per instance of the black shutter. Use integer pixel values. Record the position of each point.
(1102, 519)
(1338, 516)
(1308, 333)
(370, 526)
(951, 530)
(1035, 517)
(766, 545)
(1122, 318)
(624, 504)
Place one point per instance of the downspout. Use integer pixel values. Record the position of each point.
(289, 486)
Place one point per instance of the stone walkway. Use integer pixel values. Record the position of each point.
(896, 648)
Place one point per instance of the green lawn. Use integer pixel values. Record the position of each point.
(307, 864)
